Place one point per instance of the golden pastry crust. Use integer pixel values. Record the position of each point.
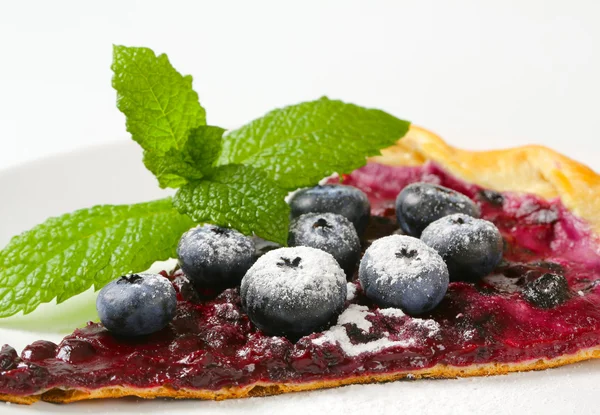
(267, 389)
(530, 169)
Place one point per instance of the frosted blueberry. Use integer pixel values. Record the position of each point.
(215, 257)
(471, 247)
(293, 291)
(420, 204)
(329, 232)
(548, 291)
(347, 201)
(402, 272)
(137, 304)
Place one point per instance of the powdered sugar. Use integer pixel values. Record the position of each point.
(337, 228)
(468, 334)
(431, 327)
(350, 291)
(392, 312)
(459, 231)
(356, 314)
(156, 281)
(154, 285)
(210, 243)
(296, 277)
(414, 330)
(402, 257)
(338, 335)
(447, 196)
(330, 232)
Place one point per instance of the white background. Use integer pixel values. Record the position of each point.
(481, 73)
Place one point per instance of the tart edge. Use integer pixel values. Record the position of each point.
(267, 389)
(528, 169)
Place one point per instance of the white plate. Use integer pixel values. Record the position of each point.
(114, 174)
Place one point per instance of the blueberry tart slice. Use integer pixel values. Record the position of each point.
(504, 278)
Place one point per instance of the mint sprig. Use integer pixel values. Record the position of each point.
(238, 180)
(176, 168)
(66, 255)
(239, 197)
(300, 144)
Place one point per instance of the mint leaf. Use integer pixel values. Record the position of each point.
(239, 197)
(66, 255)
(300, 144)
(160, 105)
(204, 146)
(177, 167)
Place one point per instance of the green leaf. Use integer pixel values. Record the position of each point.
(300, 144)
(177, 167)
(66, 255)
(238, 197)
(160, 105)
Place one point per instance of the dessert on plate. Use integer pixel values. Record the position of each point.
(537, 308)
(321, 245)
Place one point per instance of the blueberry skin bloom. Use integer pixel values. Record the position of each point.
(215, 257)
(329, 232)
(348, 201)
(293, 291)
(402, 272)
(137, 304)
(420, 204)
(471, 247)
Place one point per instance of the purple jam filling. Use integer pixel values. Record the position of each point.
(211, 343)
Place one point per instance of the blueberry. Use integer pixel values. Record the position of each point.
(492, 197)
(420, 204)
(8, 358)
(471, 247)
(39, 350)
(293, 291)
(215, 257)
(329, 232)
(402, 272)
(548, 291)
(347, 201)
(137, 304)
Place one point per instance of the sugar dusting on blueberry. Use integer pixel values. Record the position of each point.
(293, 291)
(215, 257)
(548, 291)
(402, 272)
(137, 304)
(330, 232)
(471, 247)
(348, 201)
(420, 204)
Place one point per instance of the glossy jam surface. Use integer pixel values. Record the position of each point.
(212, 344)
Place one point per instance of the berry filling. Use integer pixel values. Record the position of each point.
(541, 301)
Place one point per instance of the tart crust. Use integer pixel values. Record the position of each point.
(529, 169)
(267, 389)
